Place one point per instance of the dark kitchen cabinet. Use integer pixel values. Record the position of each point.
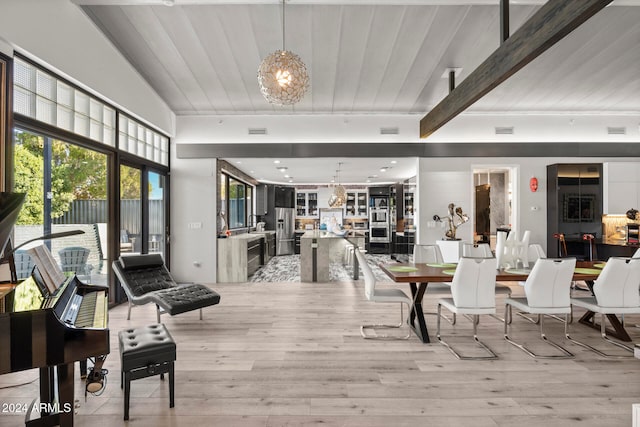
(285, 197)
(574, 206)
(262, 199)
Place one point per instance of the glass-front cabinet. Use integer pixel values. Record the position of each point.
(408, 205)
(356, 204)
(307, 204)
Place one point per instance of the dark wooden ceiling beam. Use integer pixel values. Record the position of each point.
(550, 24)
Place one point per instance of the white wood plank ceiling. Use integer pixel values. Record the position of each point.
(379, 57)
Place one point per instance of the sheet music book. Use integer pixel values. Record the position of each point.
(48, 267)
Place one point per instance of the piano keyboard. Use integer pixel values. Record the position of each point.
(88, 311)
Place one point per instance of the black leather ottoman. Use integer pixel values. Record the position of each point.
(145, 352)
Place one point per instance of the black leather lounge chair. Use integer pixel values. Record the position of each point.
(145, 279)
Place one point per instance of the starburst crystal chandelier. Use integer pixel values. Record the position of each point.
(282, 76)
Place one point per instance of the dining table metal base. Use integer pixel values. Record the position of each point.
(618, 331)
(417, 293)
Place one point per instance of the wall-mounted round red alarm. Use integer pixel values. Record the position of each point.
(533, 184)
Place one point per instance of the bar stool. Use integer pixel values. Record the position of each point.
(349, 250)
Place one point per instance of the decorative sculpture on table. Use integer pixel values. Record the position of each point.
(454, 219)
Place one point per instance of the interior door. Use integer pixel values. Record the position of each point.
(483, 212)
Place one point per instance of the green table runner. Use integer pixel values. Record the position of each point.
(402, 269)
(588, 270)
(518, 271)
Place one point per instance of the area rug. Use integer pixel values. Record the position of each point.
(286, 268)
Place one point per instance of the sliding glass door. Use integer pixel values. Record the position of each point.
(130, 210)
(143, 225)
(158, 230)
(66, 189)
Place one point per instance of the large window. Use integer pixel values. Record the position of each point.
(156, 213)
(40, 95)
(130, 209)
(236, 202)
(142, 141)
(68, 148)
(66, 189)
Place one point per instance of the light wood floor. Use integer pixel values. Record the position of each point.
(291, 354)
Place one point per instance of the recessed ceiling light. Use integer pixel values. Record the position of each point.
(383, 169)
(286, 176)
(291, 180)
(282, 168)
(276, 161)
(252, 171)
(238, 162)
(393, 162)
(368, 180)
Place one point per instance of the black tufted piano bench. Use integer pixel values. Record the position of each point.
(145, 279)
(145, 352)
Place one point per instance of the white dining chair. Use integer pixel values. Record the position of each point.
(427, 254)
(547, 291)
(390, 295)
(473, 293)
(483, 250)
(535, 253)
(431, 254)
(616, 291)
(522, 249)
(476, 250)
(510, 251)
(503, 254)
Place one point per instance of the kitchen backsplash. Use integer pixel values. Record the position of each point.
(615, 226)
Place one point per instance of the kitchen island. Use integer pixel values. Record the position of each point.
(239, 256)
(318, 249)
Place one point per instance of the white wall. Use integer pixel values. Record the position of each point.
(442, 181)
(621, 187)
(58, 35)
(193, 201)
(467, 127)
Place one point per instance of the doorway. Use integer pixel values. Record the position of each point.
(494, 202)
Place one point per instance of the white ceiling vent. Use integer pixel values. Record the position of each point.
(504, 130)
(257, 131)
(621, 130)
(389, 131)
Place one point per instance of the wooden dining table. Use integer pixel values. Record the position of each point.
(420, 275)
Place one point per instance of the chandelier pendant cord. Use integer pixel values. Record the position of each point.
(283, 20)
(282, 76)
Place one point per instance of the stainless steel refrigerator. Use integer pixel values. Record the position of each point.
(285, 231)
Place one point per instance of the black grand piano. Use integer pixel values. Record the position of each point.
(71, 325)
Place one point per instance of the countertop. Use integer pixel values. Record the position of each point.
(605, 241)
(321, 234)
(263, 232)
(246, 236)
